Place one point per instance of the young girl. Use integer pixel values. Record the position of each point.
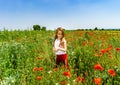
(60, 48)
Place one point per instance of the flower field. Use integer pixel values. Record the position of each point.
(26, 58)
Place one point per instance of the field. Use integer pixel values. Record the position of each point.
(26, 58)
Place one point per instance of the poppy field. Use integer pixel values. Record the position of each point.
(26, 58)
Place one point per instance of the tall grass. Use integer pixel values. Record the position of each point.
(26, 58)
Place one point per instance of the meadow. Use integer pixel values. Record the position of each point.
(26, 58)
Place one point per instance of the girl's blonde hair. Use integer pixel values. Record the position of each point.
(59, 29)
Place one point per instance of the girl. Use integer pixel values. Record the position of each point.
(60, 48)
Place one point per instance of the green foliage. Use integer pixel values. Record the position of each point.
(36, 27)
(95, 28)
(43, 28)
(22, 51)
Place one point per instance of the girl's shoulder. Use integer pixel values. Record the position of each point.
(56, 40)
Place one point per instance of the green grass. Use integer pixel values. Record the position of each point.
(21, 51)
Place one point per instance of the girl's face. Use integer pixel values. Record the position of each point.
(59, 34)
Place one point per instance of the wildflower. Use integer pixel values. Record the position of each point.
(57, 84)
(110, 56)
(40, 58)
(55, 69)
(98, 55)
(40, 69)
(97, 81)
(39, 77)
(80, 79)
(118, 49)
(110, 47)
(104, 51)
(67, 74)
(68, 83)
(84, 43)
(35, 69)
(98, 67)
(49, 71)
(111, 72)
(64, 82)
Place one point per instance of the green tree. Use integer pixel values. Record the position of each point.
(43, 28)
(36, 27)
(102, 29)
(95, 28)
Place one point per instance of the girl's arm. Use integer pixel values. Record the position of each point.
(62, 49)
(65, 46)
(55, 50)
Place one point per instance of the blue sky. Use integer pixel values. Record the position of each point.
(70, 14)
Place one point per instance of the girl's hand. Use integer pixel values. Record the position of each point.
(55, 49)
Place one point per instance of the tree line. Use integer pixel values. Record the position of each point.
(38, 27)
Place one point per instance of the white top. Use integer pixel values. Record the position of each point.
(56, 45)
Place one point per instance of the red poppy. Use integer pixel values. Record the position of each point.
(68, 74)
(97, 81)
(40, 69)
(55, 69)
(104, 51)
(98, 67)
(39, 77)
(118, 49)
(35, 69)
(84, 43)
(80, 79)
(107, 49)
(110, 48)
(64, 82)
(111, 72)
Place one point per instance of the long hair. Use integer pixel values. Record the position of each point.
(57, 30)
